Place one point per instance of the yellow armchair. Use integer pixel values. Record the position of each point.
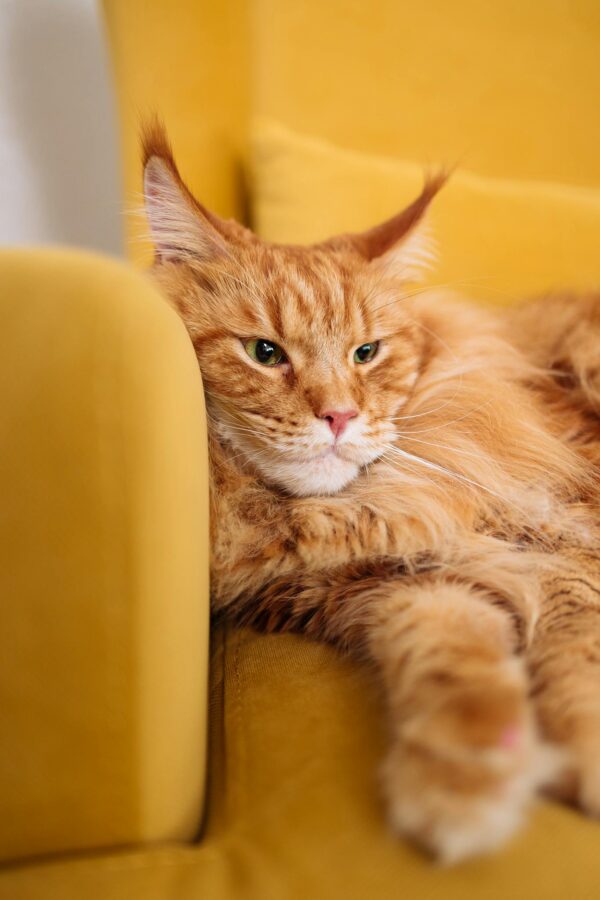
(103, 524)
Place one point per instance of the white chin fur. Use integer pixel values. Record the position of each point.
(326, 475)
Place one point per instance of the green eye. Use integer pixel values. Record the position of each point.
(264, 352)
(366, 352)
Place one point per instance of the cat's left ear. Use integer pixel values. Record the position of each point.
(401, 246)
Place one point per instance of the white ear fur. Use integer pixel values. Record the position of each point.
(412, 257)
(178, 228)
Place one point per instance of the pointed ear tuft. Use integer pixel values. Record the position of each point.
(155, 141)
(180, 227)
(402, 246)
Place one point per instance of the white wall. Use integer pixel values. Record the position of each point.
(58, 153)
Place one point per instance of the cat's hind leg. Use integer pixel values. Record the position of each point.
(564, 662)
(561, 333)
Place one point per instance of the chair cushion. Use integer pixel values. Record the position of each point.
(498, 238)
(295, 810)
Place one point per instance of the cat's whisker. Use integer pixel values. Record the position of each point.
(242, 429)
(272, 448)
(248, 288)
(273, 443)
(436, 467)
(416, 476)
(403, 297)
(406, 436)
(420, 290)
(463, 282)
(441, 424)
(428, 412)
(245, 454)
(233, 425)
(436, 336)
(442, 405)
(378, 281)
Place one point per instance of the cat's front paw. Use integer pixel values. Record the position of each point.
(459, 777)
(454, 811)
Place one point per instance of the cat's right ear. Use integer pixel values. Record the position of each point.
(180, 227)
(399, 246)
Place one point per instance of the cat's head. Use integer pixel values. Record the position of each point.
(306, 353)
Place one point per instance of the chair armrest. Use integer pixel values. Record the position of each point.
(103, 560)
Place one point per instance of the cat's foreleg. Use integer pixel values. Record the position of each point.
(298, 541)
(464, 760)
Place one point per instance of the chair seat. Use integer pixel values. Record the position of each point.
(294, 809)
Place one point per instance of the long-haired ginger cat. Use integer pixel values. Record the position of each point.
(414, 479)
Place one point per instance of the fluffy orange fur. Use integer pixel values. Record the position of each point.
(447, 531)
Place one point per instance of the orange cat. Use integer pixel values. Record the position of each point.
(414, 479)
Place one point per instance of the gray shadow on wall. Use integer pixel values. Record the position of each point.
(60, 98)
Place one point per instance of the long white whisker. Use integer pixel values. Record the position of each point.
(447, 284)
(241, 429)
(420, 290)
(244, 454)
(243, 284)
(409, 437)
(441, 424)
(450, 474)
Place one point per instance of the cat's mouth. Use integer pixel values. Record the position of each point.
(310, 471)
(329, 451)
(346, 453)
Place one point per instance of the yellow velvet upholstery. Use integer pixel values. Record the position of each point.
(188, 63)
(507, 90)
(497, 239)
(103, 549)
(294, 809)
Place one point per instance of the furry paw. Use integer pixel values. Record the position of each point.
(460, 776)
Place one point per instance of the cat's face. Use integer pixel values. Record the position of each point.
(303, 372)
(307, 354)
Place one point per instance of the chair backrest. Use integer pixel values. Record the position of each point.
(508, 89)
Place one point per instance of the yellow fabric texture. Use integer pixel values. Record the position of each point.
(508, 89)
(186, 62)
(498, 239)
(295, 811)
(103, 560)
(509, 92)
(505, 90)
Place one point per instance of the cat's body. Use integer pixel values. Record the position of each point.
(411, 478)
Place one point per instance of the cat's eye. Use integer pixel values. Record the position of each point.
(366, 352)
(264, 352)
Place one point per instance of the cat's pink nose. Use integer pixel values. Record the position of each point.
(337, 419)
